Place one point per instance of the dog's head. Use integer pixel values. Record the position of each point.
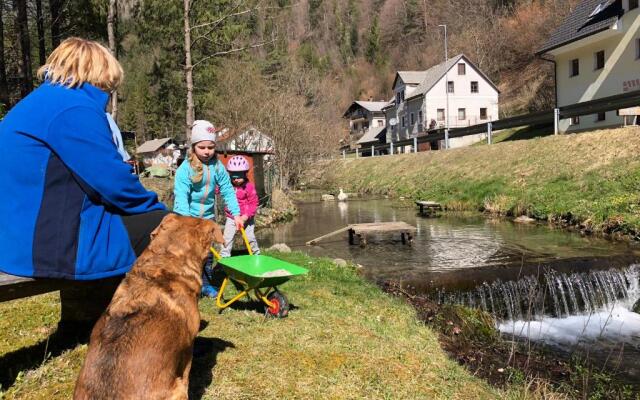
(178, 234)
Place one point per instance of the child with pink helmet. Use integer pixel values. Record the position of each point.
(238, 166)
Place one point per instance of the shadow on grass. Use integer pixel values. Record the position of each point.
(205, 354)
(66, 337)
(531, 132)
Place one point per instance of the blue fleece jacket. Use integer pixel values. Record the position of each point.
(65, 187)
(198, 199)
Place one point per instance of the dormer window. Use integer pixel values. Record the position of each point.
(399, 97)
(462, 69)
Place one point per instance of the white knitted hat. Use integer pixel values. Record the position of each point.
(202, 130)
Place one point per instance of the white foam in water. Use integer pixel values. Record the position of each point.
(615, 322)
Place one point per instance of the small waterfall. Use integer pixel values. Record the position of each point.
(554, 294)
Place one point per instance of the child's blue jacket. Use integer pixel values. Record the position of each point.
(64, 187)
(198, 199)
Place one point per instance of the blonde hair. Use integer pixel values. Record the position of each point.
(196, 166)
(76, 61)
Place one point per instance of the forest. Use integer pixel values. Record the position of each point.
(287, 68)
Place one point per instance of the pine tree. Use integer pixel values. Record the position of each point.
(373, 42)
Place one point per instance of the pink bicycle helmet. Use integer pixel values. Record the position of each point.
(237, 164)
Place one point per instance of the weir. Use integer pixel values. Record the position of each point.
(550, 294)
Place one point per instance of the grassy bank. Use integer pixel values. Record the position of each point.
(345, 339)
(588, 180)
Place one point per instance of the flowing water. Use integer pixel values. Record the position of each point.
(571, 293)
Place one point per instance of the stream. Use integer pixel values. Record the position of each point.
(569, 293)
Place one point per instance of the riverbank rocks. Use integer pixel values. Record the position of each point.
(523, 219)
(328, 197)
(636, 307)
(340, 262)
(280, 247)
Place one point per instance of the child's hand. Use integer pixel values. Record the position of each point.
(239, 222)
(244, 219)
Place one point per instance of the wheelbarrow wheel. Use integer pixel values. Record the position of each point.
(280, 308)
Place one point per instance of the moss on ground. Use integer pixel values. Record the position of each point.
(589, 180)
(344, 339)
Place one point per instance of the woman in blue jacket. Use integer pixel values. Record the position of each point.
(70, 207)
(196, 183)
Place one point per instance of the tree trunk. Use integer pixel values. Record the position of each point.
(42, 50)
(4, 88)
(188, 70)
(54, 8)
(111, 21)
(22, 24)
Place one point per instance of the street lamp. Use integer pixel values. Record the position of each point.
(446, 90)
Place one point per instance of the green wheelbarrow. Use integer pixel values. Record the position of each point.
(260, 274)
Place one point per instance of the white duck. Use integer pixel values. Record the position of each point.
(342, 196)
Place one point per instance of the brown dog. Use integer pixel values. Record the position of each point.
(141, 347)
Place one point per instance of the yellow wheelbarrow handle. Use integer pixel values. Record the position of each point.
(246, 243)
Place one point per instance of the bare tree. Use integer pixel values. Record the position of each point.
(54, 10)
(111, 32)
(22, 24)
(4, 88)
(42, 50)
(188, 69)
(209, 36)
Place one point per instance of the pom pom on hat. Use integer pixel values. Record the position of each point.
(202, 130)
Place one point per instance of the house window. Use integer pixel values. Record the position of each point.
(601, 116)
(575, 67)
(633, 4)
(462, 114)
(403, 122)
(462, 69)
(483, 113)
(380, 123)
(440, 114)
(420, 116)
(400, 97)
(474, 87)
(450, 87)
(575, 120)
(638, 49)
(598, 59)
(413, 121)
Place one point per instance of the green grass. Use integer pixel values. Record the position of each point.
(524, 133)
(588, 179)
(345, 339)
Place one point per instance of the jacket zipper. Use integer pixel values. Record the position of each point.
(206, 191)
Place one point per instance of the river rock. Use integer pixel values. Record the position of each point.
(280, 247)
(340, 262)
(636, 307)
(523, 219)
(328, 197)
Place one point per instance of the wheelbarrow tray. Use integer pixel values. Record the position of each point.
(258, 271)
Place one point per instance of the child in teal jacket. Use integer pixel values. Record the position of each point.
(195, 184)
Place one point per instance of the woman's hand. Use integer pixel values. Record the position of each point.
(239, 222)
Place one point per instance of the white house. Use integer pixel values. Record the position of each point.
(251, 140)
(364, 118)
(596, 52)
(452, 94)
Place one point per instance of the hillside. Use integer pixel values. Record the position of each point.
(590, 180)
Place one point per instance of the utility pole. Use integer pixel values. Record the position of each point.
(446, 89)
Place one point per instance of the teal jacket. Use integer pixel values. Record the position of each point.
(199, 199)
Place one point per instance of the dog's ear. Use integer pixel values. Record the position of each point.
(213, 230)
